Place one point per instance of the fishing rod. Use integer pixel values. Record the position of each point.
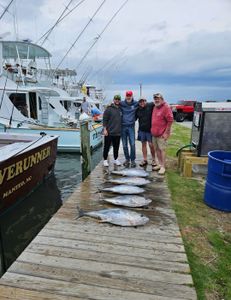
(109, 62)
(59, 20)
(6, 9)
(63, 12)
(99, 36)
(80, 34)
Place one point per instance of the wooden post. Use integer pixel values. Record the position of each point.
(85, 148)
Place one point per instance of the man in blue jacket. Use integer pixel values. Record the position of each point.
(128, 108)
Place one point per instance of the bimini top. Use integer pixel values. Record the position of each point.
(26, 50)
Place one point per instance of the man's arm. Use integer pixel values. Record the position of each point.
(169, 118)
(106, 116)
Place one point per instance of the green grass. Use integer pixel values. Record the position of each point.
(204, 230)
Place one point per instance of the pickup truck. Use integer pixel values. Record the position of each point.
(183, 109)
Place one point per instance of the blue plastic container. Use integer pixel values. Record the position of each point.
(218, 184)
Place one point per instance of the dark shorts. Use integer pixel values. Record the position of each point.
(144, 136)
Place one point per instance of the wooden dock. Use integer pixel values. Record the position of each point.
(84, 259)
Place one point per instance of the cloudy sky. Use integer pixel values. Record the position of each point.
(180, 48)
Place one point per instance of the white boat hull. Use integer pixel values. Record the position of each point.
(69, 139)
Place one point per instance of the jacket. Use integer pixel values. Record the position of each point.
(144, 116)
(112, 120)
(162, 117)
(128, 112)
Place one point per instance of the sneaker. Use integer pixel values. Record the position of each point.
(161, 171)
(126, 163)
(117, 162)
(133, 164)
(105, 163)
(156, 168)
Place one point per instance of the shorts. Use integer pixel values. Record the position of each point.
(144, 136)
(159, 142)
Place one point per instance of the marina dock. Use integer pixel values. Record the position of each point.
(85, 259)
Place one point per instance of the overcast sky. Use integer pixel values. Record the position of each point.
(180, 48)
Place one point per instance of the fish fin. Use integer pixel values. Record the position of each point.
(81, 213)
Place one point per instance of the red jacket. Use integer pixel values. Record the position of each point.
(162, 117)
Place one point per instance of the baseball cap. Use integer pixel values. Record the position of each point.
(117, 97)
(142, 99)
(158, 95)
(129, 94)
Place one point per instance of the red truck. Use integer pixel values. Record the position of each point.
(183, 109)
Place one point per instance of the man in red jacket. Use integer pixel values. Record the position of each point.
(162, 119)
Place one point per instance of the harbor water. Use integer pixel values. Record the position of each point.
(22, 222)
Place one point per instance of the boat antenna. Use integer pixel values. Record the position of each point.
(6, 9)
(79, 35)
(62, 16)
(99, 36)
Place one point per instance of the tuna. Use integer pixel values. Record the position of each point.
(131, 173)
(116, 216)
(129, 201)
(137, 181)
(124, 189)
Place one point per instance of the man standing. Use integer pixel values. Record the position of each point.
(162, 119)
(144, 116)
(128, 108)
(112, 130)
(85, 106)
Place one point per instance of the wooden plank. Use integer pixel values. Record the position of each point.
(115, 249)
(129, 260)
(109, 269)
(59, 287)
(8, 292)
(113, 241)
(90, 231)
(92, 278)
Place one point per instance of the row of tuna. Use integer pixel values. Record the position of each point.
(129, 186)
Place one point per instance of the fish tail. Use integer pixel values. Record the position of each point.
(80, 214)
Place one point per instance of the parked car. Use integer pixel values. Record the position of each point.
(183, 109)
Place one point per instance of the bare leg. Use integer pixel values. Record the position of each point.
(161, 154)
(144, 150)
(152, 150)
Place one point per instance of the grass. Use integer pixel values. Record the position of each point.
(206, 232)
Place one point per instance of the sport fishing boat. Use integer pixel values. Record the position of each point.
(26, 98)
(25, 161)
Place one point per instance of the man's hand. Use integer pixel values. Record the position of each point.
(105, 132)
(165, 136)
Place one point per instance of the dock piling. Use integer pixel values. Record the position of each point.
(85, 148)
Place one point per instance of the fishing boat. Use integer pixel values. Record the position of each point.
(25, 161)
(31, 104)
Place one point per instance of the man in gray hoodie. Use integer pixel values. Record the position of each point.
(112, 130)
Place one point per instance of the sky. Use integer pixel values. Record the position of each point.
(179, 48)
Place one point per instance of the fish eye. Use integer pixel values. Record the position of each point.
(142, 216)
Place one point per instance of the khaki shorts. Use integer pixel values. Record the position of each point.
(159, 142)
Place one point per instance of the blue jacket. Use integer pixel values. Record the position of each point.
(128, 112)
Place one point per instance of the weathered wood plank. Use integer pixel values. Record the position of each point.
(92, 278)
(8, 292)
(77, 289)
(149, 263)
(115, 249)
(109, 269)
(113, 241)
(115, 232)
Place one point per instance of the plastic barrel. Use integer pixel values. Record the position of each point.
(218, 183)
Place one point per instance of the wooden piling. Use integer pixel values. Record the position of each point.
(85, 148)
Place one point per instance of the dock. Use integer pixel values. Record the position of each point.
(85, 259)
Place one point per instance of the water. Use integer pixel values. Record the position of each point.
(21, 223)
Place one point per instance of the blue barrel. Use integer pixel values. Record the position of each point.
(218, 183)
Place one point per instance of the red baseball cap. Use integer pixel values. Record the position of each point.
(129, 94)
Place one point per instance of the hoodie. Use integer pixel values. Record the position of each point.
(128, 112)
(112, 120)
